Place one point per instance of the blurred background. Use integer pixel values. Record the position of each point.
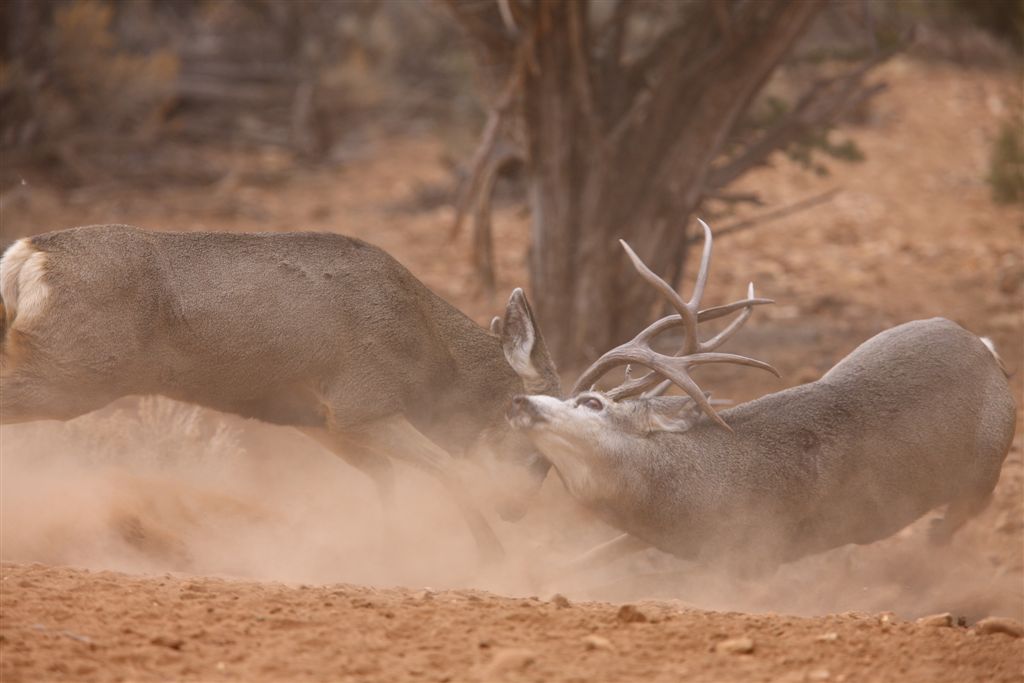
(861, 161)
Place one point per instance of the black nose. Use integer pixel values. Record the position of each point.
(522, 406)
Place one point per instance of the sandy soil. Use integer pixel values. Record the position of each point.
(272, 546)
(68, 624)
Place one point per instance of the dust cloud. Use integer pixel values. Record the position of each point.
(153, 486)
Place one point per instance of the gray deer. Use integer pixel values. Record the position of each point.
(317, 331)
(917, 417)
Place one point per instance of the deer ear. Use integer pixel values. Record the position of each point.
(672, 413)
(524, 346)
(496, 325)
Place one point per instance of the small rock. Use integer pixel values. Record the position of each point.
(631, 614)
(735, 646)
(943, 620)
(424, 595)
(829, 637)
(166, 641)
(560, 601)
(596, 642)
(990, 625)
(508, 661)
(819, 675)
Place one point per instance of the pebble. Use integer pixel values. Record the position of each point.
(936, 620)
(560, 601)
(887, 618)
(819, 675)
(735, 646)
(165, 641)
(829, 637)
(596, 642)
(508, 661)
(631, 614)
(1010, 627)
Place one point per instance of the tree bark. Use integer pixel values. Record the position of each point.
(587, 188)
(626, 133)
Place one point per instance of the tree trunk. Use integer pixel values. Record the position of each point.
(592, 183)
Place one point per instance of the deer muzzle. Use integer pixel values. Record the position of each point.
(523, 413)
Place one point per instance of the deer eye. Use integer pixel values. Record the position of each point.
(591, 403)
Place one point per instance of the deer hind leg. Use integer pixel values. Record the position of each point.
(396, 437)
(24, 397)
(377, 467)
(34, 388)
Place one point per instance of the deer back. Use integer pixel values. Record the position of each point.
(916, 417)
(291, 328)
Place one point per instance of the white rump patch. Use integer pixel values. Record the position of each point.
(990, 345)
(22, 286)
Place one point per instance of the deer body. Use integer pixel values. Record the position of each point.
(312, 330)
(918, 417)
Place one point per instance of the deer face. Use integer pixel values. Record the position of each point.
(511, 457)
(588, 436)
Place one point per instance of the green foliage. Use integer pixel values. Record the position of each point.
(1006, 164)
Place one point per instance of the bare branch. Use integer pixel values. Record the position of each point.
(506, 16)
(735, 197)
(495, 119)
(482, 20)
(581, 65)
(617, 30)
(775, 214)
(483, 241)
(724, 20)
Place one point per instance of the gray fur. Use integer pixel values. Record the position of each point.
(312, 330)
(917, 417)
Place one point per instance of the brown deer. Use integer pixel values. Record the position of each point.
(917, 417)
(317, 331)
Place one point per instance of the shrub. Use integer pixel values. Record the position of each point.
(1006, 164)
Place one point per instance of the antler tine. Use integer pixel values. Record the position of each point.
(632, 386)
(705, 265)
(686, 309)
(683, 380)
(676, 369)
(658, 390)
(737, 323)
(602, 365)
(716, 312)
(668, 370)
(717, 357)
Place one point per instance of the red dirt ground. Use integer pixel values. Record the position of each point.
(69, 624)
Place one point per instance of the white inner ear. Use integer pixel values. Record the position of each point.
(679, 423)
(518, 347)
(517, 353)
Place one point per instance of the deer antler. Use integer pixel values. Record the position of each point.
(694, 352)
